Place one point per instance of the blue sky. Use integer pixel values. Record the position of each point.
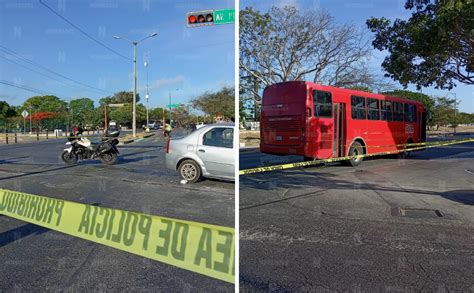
(183, 61)
(356, 12)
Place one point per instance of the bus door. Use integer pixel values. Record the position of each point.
(422, 126)
(339, 129)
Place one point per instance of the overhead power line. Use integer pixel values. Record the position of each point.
(83, 32)
(26, 88)
(50, 71)
(38, 72)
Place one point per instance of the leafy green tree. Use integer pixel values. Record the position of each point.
(434, 46)
(212, 103)
(156, 114)
(465, 118)
(44, 104)
(122, 97)
(82, 111)
(123, 115)
(443, 112)
(47, 104)
(6, 111)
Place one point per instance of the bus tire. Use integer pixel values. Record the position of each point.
(356, 149)
(405, 154)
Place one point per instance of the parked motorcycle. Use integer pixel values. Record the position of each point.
(80, 148)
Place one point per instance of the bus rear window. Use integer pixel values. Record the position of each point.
(322, 104)
(358, 107)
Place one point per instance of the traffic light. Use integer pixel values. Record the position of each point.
(200, 18)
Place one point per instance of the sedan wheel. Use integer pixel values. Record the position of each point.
(189, 170)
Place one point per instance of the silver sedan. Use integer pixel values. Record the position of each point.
(205, 152)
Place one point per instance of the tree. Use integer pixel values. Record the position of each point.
(428, 102)
(434, 46)
(44, 104)
(82, 111)
(285, 44)
(6, 111)
(212, 103)
(443, 112)
(157, 114)
(122, 97)
(123, 115)
(465, 118)
(47, 104)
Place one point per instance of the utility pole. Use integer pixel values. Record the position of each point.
(170, 108)
(455, 105)
(147, 96)
(30, 107)
(135, 43)
(134, 117)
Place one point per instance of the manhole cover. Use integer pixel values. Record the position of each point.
(417, 213)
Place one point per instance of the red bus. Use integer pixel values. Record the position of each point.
(320, 122)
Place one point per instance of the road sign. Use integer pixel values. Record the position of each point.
(25, 113)
(224, 16)
(172, 106)
(115, 105)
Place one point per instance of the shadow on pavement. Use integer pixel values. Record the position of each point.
(9, 160)
(13, 235)
(137, 159)
(38, 172)
(301, 178)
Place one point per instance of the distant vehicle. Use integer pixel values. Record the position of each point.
(206, 152)
(200, 124)
(320, 122)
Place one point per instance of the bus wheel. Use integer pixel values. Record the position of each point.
(405, 154)
(355, 150)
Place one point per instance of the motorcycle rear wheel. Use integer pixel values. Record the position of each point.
(69, 158)
(109, 158)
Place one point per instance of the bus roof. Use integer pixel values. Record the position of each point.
(351, 91)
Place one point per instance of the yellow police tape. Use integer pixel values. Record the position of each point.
(201, 248)
(418, 146)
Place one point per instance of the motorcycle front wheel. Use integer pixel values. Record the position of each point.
(68, 158)
(109, 158)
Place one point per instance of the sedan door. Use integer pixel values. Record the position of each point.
(215, 148)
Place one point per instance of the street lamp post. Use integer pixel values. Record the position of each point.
(147, 95)
(170, 105)
(31, 113)
(135, 43)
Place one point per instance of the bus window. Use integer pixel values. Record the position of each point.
(322, 104)
(373, 107)
(397, 111)
(386, 109)
(358, 107)
(410, 113)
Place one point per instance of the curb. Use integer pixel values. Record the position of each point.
(249, 150)
(136, 139)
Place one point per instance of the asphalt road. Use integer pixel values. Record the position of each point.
(37, 259)
(389, 225)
